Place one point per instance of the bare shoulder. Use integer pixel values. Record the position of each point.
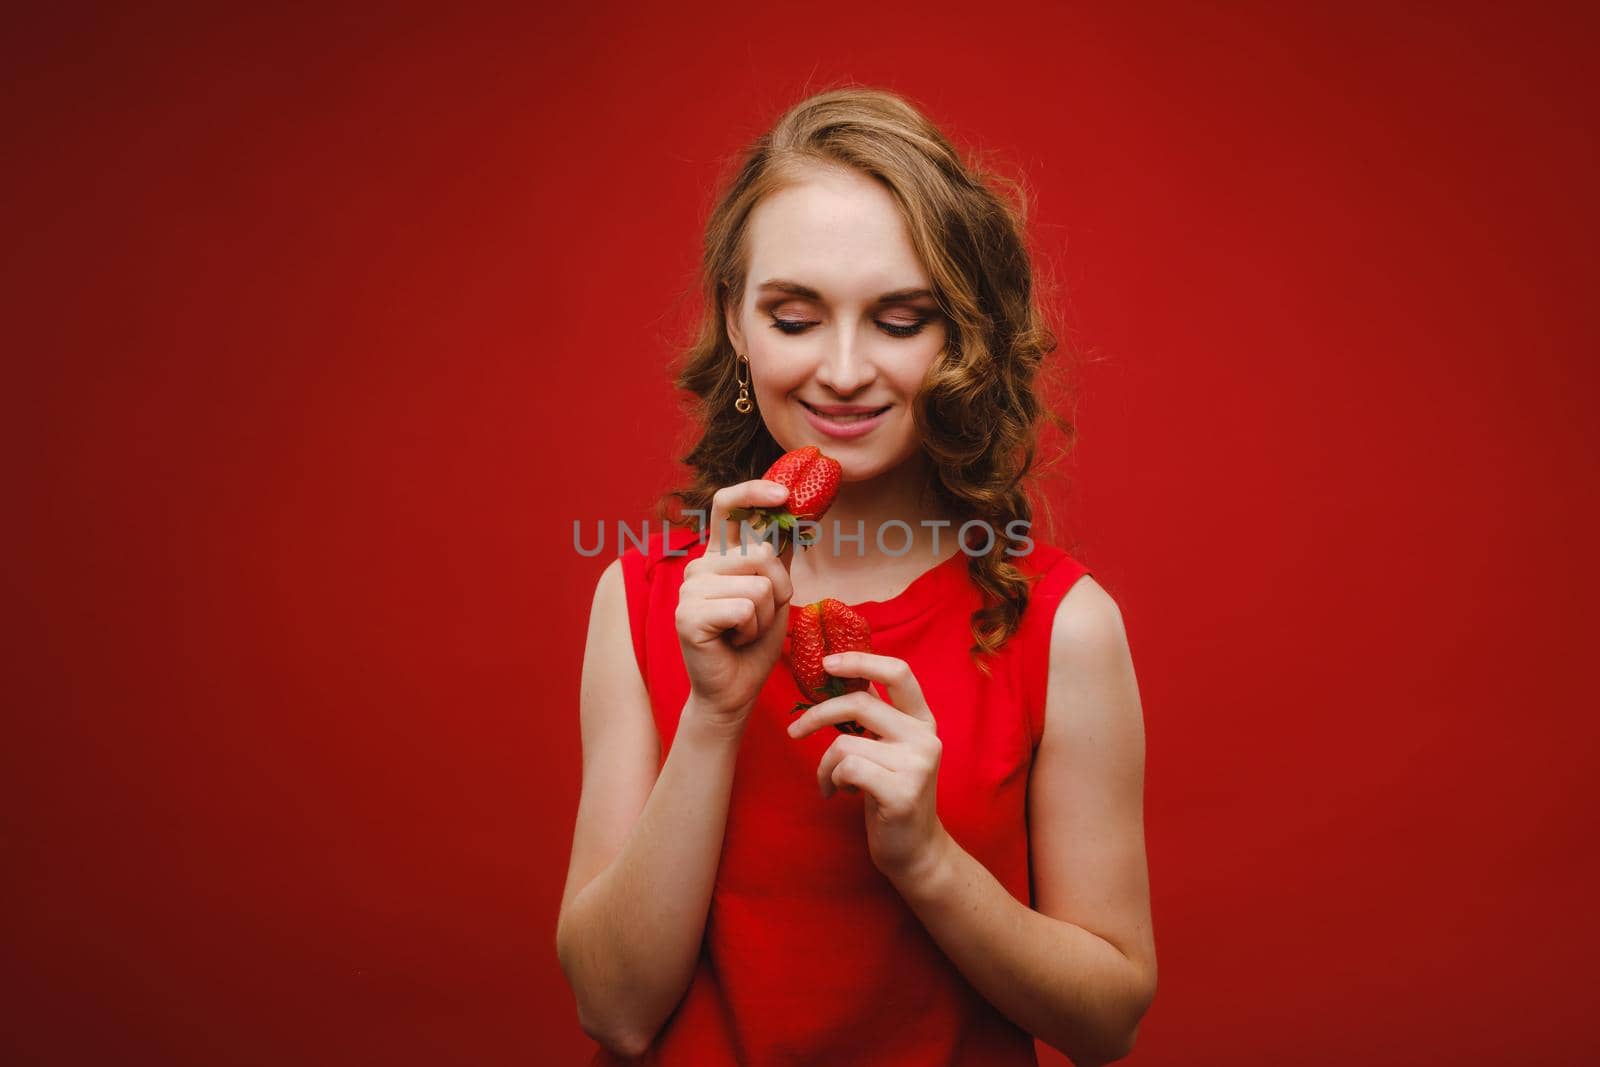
(610, 578)
(609, 613)
(612, 687)
(1088, 622)
(609, 591)
(1092, 694)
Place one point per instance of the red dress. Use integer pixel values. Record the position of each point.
(811, 956)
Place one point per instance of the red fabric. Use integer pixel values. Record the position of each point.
(810, 954)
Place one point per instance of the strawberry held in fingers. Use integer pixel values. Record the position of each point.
(819, 630)
(812, 480)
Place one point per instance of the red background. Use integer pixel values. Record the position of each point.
(324, 327)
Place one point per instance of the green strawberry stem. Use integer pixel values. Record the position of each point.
(760, 517)
(785, 521)
(834, 687)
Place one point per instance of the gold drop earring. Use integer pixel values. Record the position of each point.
(743, 404)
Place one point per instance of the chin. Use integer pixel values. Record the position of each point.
(867, 465)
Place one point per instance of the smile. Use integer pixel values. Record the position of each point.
(844, 425)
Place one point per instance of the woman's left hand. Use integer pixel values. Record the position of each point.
(897, 765)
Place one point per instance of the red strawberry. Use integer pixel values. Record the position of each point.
(812, 479)
(822, 629)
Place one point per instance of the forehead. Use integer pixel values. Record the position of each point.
(839, 232)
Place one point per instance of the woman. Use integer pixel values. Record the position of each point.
(968, 873)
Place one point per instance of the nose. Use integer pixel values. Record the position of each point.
(846, 368)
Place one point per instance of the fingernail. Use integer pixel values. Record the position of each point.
(832, 660)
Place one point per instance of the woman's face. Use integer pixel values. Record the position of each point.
(837, 318)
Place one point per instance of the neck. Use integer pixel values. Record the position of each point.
(865, 508)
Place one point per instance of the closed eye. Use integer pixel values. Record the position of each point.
(793, 326)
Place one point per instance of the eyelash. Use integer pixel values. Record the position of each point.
(893, 330)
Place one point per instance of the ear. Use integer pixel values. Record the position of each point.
(730, 314)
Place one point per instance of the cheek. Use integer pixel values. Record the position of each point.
(909, 372)
(778, 368)
(775, 377)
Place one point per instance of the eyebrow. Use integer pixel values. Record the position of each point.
(806, 292)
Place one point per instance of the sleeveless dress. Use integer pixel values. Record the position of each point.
(811, 956)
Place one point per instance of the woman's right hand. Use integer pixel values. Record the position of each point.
(733, 608)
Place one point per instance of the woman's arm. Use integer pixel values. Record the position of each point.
(646, 848)
(1080, 972)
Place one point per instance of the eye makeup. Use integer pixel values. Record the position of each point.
(792, 327)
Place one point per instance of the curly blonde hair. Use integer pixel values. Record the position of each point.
(979, 410)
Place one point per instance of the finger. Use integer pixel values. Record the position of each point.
(756, 588)
(769, 641)
(778, 632)
(708, 620)
(890, 756)
(755, 493)
(894, 674)
(758, 558)
(857, 772)
(873, 714)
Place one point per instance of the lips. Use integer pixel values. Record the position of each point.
(844, 427)
(844, 413)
